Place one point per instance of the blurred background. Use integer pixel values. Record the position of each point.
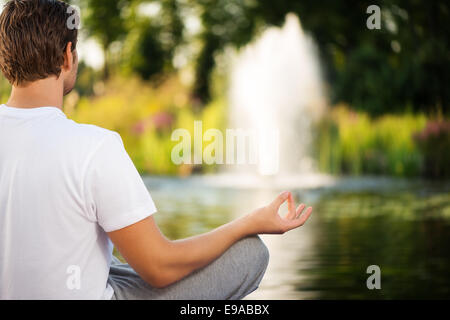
(363, 116)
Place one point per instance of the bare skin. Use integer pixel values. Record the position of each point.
(158, 260)
(49, 91)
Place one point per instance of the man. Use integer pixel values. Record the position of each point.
(67, 190)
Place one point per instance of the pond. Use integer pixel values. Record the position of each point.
(403, 226)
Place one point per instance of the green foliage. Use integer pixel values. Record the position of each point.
(103, 20)
(225, 22)
(351, 142)
(368, 82)
(146, 55)
(5, 88)
(151, 42)
(145, 117)
(434, 142)
(87, 77)
(405, 65)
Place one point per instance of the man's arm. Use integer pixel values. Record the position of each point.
(161, 262)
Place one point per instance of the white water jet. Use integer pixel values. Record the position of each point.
(276, 86)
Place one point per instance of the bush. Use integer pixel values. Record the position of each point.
(350, 142)
(434, 143)
(145, 116)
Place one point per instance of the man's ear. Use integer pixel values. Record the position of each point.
(68, 58)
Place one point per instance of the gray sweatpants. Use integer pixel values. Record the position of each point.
(232, 276)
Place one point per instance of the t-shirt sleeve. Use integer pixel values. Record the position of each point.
(116, 196)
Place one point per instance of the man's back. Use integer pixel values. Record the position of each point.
(54, 174)
(67, 188)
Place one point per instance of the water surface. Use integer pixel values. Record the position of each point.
(402, 226)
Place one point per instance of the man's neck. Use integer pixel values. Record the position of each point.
(42, 93)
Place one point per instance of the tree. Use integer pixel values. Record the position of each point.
(151, 42)
(103, 20)
(405, 64)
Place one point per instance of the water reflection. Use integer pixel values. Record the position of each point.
(402, 226)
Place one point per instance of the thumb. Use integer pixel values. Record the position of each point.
(280, 199)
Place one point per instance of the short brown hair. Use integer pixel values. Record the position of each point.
(33, 37)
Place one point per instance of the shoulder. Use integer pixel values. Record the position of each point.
(93, 133)
(88, 138)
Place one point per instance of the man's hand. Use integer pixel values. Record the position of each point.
(267, 220)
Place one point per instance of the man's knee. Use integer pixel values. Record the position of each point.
(256, 253)
(253, 257)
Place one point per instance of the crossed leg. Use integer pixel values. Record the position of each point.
(232, 276)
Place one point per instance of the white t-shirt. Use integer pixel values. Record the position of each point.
(63, 185)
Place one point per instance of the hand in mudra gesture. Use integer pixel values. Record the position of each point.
(267, 220)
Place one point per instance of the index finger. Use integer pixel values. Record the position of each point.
(291, 207)
(280, 199)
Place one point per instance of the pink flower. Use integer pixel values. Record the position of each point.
(162, 120)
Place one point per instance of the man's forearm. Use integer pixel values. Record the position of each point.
(196, 252)
(161, 262)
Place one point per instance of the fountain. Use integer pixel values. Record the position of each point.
(276, 87)
(276, 92)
